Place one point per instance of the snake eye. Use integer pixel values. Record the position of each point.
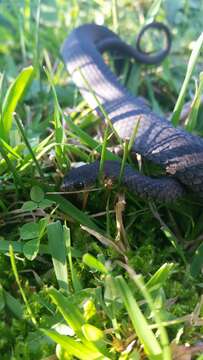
(79, 185)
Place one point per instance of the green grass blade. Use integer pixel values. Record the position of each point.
(153, 10)
(138, 279)
(15, 272)
(32, 154)
(93, 263)
(11, 167)
(2, 76)
(88, 140)
(72, 211)
(75, 319)
(9, 149)
(115, 19)
(191, 64)
(172, 238)
(58, 252)
(73, 347)
(13, 96)
(75, 280)
(192, 118)
(197, 262)
(21, 34)
(13, 305)
(146, 336)
(161, 275)
(37, 40)
(70, 312)
(59, 129)
(95, 336)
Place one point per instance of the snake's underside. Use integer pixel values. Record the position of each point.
(178, 152)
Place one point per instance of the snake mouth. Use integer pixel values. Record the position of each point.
(68, 185)
(81, 177)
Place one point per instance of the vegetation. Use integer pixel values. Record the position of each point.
(99, 274)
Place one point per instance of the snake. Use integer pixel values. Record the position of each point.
(178, 152)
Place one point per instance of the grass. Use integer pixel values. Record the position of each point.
(103, 274)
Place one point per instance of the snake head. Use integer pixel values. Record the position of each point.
(81, 177)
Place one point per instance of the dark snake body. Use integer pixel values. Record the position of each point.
(178, 152)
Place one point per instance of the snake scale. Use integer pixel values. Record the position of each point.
(178, 152)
